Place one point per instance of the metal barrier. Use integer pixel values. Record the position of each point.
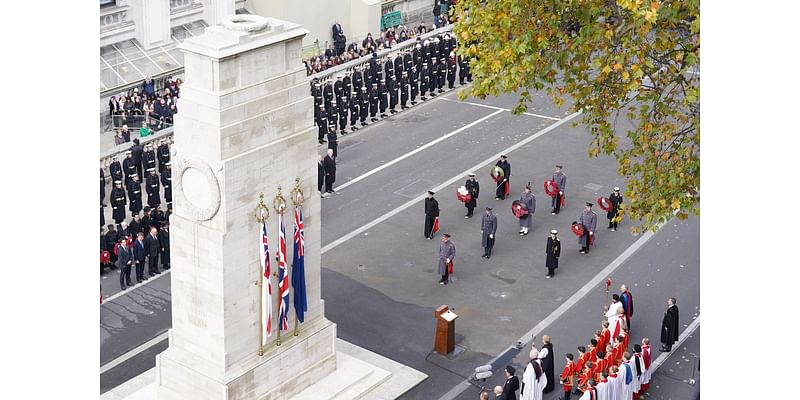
(136, 121)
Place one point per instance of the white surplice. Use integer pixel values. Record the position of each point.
(533, 387)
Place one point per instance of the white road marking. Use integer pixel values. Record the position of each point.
(415, 151)
(601, 276)
(501, 109)
(133, 352)
(132, 288)
(449, 182)
(662, 358)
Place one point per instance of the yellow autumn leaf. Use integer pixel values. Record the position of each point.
(649, 16)
(606, 69)
(617, 66)
(625, 75)
(609, 34)
(662, 202)
(675, 204)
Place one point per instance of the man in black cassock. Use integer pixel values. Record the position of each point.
(547, 363)
(431, 212)
(669, 326)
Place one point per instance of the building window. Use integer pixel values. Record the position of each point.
(107, 3)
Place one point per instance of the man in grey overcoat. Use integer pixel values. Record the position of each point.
(561, 182)
(447, 251)
(488, 229)
(589, 221)
(528, 201)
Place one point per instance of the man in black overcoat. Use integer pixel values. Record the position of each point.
(553, 253)
(669, 326)
(329, 164)
(431, 212)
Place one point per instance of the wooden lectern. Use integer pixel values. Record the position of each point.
(445, 330)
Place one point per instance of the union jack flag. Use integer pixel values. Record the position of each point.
(283, 279)
(266, 284)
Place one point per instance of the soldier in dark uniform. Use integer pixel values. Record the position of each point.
(322, 123)
(332, 142)
(333, 115)
(589, 221)
(128, 168)
(338, 89)
(388, 68)
(136, 153)
(384, 100)
(398, 66)
(166, 181)
(462, 70)
(431, 212)
(355, 109)
(423, 82)
(488, 230)
(616, 200)
(347, 85)
(147, 219)
(408, 61)
(152, 186)
(433, 77)
(149, 158)
(135, 194)
(365, 102)
(118, 202)
(500, 192)
(451, 71)
(474, 189)
(416, 56)
(405, 90)
(374, 101)
(358, 80)
(327, 93)
(553, 252)
(561, 182)
(442, 74)
(116, 170)
(392, 87)
(343, 117)
(135, 226)
(414, 84)
(162, 153)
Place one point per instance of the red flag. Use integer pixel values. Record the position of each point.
(435, 225)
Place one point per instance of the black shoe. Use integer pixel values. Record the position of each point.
(122, 288)
(373, 119)
(413, 103)
(354, 128)
(139, 281)
(488, 257)
(393, 111)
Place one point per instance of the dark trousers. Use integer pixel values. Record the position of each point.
(586, 235)
(152, 265)
(139, 270)
(429, 226)
(320, 182)
(165, 260)
(470, 210)
(611, 222)
(139, 172)
(125, 276)
(551, 271)
(446, 275)
(328, 185)
(567, 395)
(557, 208)
(487, 251)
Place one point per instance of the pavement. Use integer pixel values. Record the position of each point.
(379, 281)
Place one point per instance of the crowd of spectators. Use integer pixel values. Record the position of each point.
(146, 106)
(340, 52)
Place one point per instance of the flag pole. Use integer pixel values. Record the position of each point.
(297, 199)
(279, 204)
(608, 287)
(261, 214)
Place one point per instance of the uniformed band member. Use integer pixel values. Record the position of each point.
(128, 168)
(118, 201)
(488, 230)
(447, 252)
(431, 212)
(561, 182)
(355, 110)
(589, 221)
(343, 116)
(152, 185)
(528, 201)
(333, 144)
(503, 185)
(474, 189)
(162, 153)
(423, 82)
(374, 102)
(451, 70)
(365, 103)
(553, 253)
(322, 123)
(384, 97)
(616, 200)
(433, 78)
(166, 181)
(393, 88)
(135, 194)
(442, 73)
(149, 158)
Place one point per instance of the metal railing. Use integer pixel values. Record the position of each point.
(136, 121)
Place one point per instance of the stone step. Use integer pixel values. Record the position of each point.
(351, 380)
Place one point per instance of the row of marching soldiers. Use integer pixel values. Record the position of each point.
(380, 85)
(606, 369)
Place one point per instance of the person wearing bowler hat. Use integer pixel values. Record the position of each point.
(431, 212)
(488, 230)
(589, 221)
(616, 199)
(553, 253)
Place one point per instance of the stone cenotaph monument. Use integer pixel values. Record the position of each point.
(246, 126)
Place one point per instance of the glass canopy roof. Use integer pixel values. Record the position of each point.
(128, 62)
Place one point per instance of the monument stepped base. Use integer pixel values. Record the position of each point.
(360, 374)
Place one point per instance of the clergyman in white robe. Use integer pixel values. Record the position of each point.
(614, 386)
(625, 370)
(603, 390)
(532, 386)
(614, 309)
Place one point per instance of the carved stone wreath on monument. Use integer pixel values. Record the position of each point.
(245, 23)
(197, 189)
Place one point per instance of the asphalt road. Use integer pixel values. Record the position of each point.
(379, 281)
